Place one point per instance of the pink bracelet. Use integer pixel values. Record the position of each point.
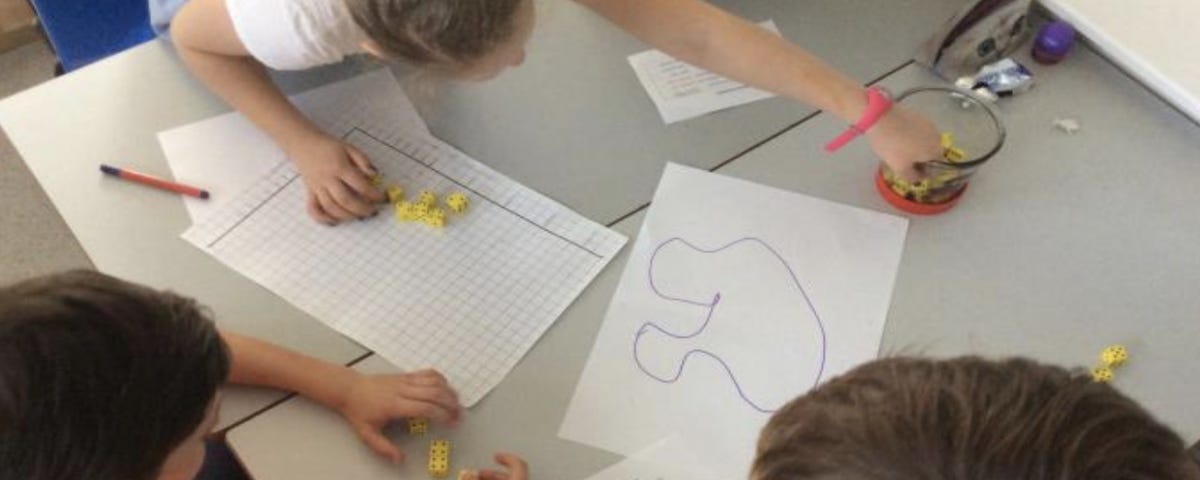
(879, 101)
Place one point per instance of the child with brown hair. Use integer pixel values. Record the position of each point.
(102, 379)
(227, 43)
(967, 419)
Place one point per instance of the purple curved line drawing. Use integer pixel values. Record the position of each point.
(711, 306)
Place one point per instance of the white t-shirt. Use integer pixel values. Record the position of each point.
(296, 34)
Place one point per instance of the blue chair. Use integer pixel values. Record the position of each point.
(84, 31)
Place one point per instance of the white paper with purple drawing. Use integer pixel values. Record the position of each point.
(736, 298)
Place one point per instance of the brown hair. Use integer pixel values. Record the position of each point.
(966, 418)
(100, 378)
(436, 31)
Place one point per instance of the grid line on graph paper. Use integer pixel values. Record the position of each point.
(469, 300)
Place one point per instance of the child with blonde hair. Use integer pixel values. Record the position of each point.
(227, 44)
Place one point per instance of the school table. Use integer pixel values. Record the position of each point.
(1062, 245)
(572, 123)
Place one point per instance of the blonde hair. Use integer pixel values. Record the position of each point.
(436, 32)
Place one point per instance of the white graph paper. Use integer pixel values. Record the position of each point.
(470, 299)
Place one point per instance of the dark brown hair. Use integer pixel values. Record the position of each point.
(966, 419)
(99, 378)
(424, 32)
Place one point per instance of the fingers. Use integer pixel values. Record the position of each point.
(350, 200)
(361, 186)
(443, 410)
(359, 180)
(427, 377)
(517, 470)
(513, 463)
(379, 444)
(909, 173)
(361, 161)
(317, 212)
(332, 207)
(431, 386)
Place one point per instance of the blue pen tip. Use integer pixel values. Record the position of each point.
(204, 194)
(109, 170)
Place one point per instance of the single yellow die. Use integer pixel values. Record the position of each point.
(427, 198)
(395, 194)
(406, 212)
(434, 217)
(920, 188)
(419, 209)
(954, 155)
(439, 458)
(947, 140)
(1114, 355)
(457, 202)
(1102, 375)
(418, 426)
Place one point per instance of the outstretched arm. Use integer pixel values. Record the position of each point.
(712, 39)
(368, 402)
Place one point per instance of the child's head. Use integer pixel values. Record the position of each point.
(473, 39)
(106, 380)
(967, 418)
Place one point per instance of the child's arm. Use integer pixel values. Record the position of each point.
(710, 38)
(336, 173)
(368, 402)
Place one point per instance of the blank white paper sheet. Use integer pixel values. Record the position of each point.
(469, 299)
(736, 298)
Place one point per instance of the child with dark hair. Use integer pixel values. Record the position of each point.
(101, 379)
(967, 419)
(226, 44)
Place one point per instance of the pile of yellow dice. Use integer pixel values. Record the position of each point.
(425, 208)
(1111, 357)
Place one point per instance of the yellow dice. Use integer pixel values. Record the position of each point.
(1114, 356)
(434, 217)
(457, 202)
(406, 212)
(1102, 375)
(395, 194)
(439, 458)
(947, 140)
(418, 426)
(954, 155)
(427, 198)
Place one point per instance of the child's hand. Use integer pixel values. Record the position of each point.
(337, 177)
(516, 470)
(904, 138)
(373, 401)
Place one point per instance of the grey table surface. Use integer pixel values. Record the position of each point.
(572, 123)
(1062, 245)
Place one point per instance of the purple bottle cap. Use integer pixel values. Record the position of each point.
(1053, 42)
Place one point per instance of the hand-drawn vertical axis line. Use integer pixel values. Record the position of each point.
(712, 306)
(256, 207)
(472, 190)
